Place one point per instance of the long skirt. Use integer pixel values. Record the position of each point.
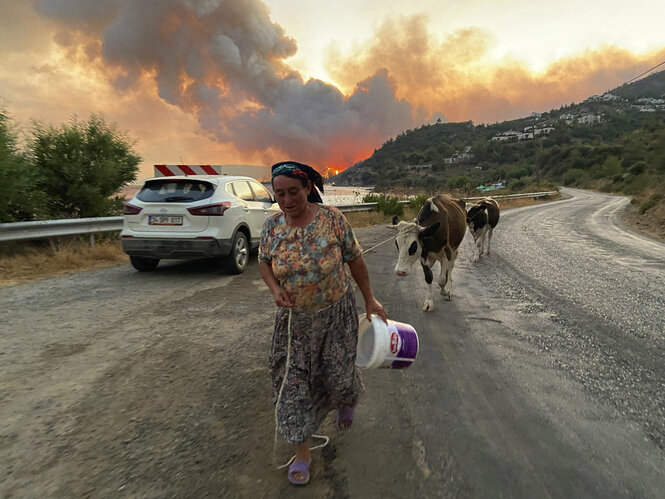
(322, 375)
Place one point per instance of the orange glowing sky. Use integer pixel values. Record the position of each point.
(321, 82)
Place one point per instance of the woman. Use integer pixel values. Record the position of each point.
(301, 258)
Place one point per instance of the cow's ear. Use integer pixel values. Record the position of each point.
(429, 231)
(395, 220)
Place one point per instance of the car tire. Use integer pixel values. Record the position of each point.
(143, 264)
(238, 259)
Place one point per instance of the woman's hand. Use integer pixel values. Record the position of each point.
(282, 298)
(373, 307)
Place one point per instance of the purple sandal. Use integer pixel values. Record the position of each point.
(344, 414)
(299, 467)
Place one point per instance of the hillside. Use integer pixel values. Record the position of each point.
(613, 142)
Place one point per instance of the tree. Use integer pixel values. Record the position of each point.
(20, 199)
(82, 166)
(457, 182)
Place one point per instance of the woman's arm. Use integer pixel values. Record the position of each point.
(282, 298)
(361, 276)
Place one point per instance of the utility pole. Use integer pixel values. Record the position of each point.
(535, 155)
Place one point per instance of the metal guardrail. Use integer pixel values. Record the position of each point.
(44, 229)
(522, 195)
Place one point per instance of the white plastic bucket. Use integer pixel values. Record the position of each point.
(393, 345)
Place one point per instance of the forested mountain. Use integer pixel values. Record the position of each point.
(614, 142)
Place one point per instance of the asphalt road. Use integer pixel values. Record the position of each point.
(544, 377)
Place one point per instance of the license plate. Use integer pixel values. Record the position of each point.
(164, 220)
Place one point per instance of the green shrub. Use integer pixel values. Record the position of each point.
(517, 184)
(390, 205)
(650, 203)
(458, 182)
(372, 198)
(572, 177)
(418, 201)
(647, 205)
(637, 184)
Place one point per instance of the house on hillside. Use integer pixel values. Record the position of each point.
(567, 118)
(509, 136)
(588, 118)
(544, 131)
(459, 156)
(650, 100)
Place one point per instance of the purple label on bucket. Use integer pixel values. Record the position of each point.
(408, 346)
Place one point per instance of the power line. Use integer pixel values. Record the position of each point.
(647, 71)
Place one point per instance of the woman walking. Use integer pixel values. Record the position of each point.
(301, 258)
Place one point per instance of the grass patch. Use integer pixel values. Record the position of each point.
(504, 204)
(30, 261)
(359, 219)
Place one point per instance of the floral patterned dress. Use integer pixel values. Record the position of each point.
(309, 263)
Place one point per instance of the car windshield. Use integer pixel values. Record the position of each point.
(175, 191)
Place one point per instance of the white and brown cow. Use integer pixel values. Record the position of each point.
(481, 219)
(433, 237)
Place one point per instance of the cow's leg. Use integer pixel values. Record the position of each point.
(446, 276)
(475, 240)
(481, 243)
(428, 306)
(489, 238)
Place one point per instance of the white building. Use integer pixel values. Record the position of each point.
(588, 118)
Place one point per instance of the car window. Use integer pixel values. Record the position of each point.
(175, 191)
(261, 193)
(243, 191)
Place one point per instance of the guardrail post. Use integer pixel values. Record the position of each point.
(92, 240)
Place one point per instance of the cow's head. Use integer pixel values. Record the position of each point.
(477, 213)
(409, 243)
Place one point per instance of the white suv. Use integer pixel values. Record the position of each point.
(198, 216)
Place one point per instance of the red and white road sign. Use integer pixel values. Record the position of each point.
(171, 170)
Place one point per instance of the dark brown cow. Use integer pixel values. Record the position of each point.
(433, 237)
(481, 219)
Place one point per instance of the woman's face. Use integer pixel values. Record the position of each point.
(291, 195)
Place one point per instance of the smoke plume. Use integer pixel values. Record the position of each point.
(224, 61)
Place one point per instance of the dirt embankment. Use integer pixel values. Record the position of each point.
(651, 223)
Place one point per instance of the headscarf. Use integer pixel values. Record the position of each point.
(293, 169)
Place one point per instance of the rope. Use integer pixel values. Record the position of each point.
(410, 229)
(279, 398)
(377, 245)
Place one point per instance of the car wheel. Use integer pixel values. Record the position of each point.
(239, 258)
(143, 264)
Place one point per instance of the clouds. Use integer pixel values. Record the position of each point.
(457, 76)
(224, 61)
